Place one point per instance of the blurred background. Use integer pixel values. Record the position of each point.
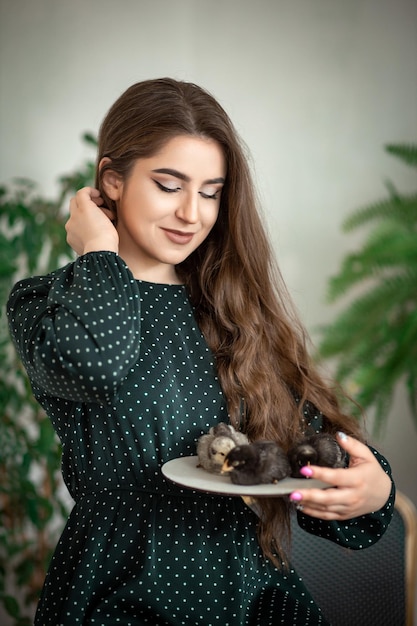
(316, 88)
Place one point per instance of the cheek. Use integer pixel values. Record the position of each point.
(153, 204)
(211, 217)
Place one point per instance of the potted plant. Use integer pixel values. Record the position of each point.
(33, 500)
(374, 338)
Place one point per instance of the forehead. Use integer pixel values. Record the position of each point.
(193, 155)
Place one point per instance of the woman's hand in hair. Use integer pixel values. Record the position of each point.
(361, 488)
(90, 227)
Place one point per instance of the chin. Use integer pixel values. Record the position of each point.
(177, 257)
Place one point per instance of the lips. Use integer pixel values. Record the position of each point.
(178, 236)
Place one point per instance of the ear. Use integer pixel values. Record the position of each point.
(111, 182)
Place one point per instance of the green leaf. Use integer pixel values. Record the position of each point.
(32, 240)
(400, 209)
(406, 152)
(373, 339)
(24, 571)
(46, 440)
(11, 605)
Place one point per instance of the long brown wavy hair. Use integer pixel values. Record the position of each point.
(242, 305)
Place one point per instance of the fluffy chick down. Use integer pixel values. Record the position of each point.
(260, 462)
(214, 446)
(317, 449)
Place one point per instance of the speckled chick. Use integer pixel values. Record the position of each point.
(213, 447)
(318, 449)
(260, 462)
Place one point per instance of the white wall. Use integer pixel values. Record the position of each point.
(315, 87)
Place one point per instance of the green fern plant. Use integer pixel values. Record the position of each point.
(33, 504)
(374, 339)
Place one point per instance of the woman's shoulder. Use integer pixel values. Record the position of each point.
(92, 266)
(40, 282)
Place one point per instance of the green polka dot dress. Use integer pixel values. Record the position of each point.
(124, 374)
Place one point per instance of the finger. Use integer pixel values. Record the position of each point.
(92, 192)
(334, 477)
(338, 500)
(318, 498)
(354, 447)
(86, 194)
(324, 514)
(98, 200)
(72, 204)
(94, 195)
(325, 504)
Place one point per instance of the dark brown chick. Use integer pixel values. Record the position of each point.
(260, 462)
(317, 449)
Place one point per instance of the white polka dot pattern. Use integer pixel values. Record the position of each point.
(128, 382)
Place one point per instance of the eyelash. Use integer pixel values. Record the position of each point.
(207, 197)
(176, 189)
(166, 189)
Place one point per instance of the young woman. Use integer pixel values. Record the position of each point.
(172, 318)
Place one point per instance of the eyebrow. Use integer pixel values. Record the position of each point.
(187, 179)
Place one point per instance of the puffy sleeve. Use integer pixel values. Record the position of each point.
(359, 532)
(77, 330)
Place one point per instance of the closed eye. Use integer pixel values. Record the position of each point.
(176, 189)
(208, 196)
(166, 189)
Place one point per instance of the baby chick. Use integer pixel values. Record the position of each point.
(256, 463)
(213, 447)
(317, 449)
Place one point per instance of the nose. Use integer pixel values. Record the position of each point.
(188, 209)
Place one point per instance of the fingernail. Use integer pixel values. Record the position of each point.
(306, 471)
(342, 436)
(296, 496)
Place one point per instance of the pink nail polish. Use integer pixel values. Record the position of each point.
(296, 496)
(306, 471)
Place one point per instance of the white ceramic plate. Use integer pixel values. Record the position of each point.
(184, 471)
